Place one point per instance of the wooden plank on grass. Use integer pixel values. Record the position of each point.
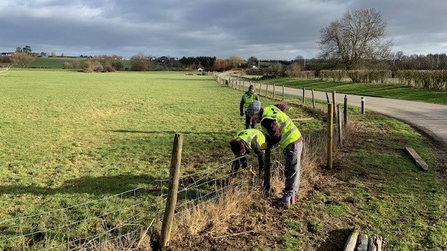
(352, 240)
(362, 242)
(419, 161)
(375, 243)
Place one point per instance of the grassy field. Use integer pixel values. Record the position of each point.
(67, 138)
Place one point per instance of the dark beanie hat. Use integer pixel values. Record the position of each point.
(281, 106)
(237, 147)
(251, 87)
(254, 108)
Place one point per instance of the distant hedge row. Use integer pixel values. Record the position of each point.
(428, 79)
(357, 76)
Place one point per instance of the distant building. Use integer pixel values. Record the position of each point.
(7, 54)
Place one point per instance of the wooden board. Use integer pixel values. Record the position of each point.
(419, 161)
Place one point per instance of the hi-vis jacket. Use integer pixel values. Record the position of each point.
(289, 132)
(248, 135)
(246, 100)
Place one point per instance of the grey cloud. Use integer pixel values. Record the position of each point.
(278, 29)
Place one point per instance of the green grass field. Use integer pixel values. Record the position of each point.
(67, 138)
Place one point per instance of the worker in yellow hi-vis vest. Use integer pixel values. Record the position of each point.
(280, 130)
(248, 97)
(246, 141)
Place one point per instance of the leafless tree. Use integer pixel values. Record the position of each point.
(139, 62)
(356, 38)
(22, 58)
(234, 62)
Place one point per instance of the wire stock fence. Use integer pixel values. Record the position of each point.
(122, 219)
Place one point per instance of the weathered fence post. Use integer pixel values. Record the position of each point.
(313, 99)
(273, 91)
(330, 129)
(345, 112)
(327, 98)
(340, 127)
(283, 94)
(267, 171)
(351, 243)
(266, 90)
(174, 172)
(334, 105)
(362, 242)
(363, 105)
(304, 94)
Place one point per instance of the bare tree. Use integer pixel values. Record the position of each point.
(139, 62)
(22, 58)
(300, 58)
(355, 38)
(234, 62)
(220, 64)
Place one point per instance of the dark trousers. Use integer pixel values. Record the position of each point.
(248, 121)
(240, 161)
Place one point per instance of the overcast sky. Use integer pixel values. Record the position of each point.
(273, 29)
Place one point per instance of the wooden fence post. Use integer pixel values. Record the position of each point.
(340, 127)
(334, 105)
(274, 91)
(351, 243)
(266, 90)
(345, 112)
(330, 133)
(283, 94)
(304, 94)
(363, 105)
(174, 173)
(313, 99)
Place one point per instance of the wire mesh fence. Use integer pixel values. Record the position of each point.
(121, 217)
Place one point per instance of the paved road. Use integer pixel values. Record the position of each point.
(431, 119)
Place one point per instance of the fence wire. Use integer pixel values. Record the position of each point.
(120, 217)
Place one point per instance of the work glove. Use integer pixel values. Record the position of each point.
(252, 172)
(264, 146)
(242, 114)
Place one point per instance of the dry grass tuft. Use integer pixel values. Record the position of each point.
(125, 242)
(213, 217)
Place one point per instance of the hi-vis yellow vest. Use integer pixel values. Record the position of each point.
(248, 135)
(248, 99)
(289, 132)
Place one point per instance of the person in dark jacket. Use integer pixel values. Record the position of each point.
(248, 97)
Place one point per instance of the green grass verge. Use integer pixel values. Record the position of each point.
(376, 90)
